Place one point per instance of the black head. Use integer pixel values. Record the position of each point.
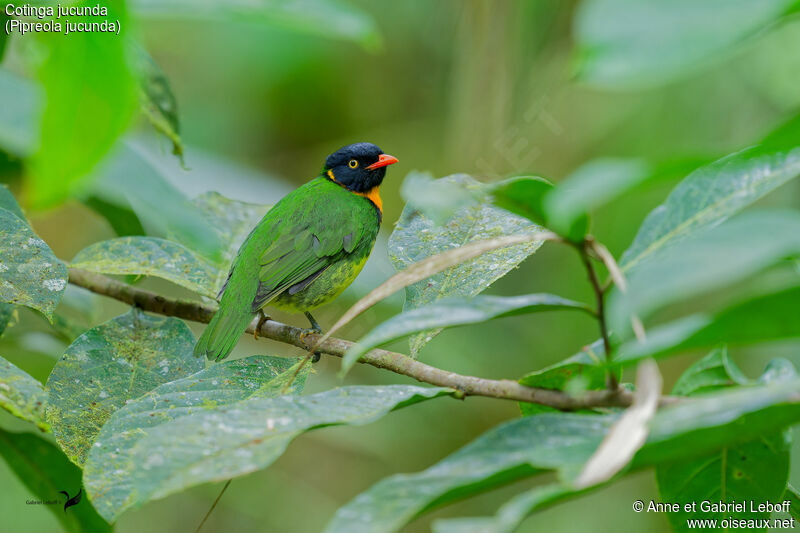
(359, 167)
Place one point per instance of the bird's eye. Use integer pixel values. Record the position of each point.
(352, 163)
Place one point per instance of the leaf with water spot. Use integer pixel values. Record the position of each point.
(417, 237)
(193, 431)
(108, 365)
(30, 274)
(756, 470)
(22, 395)
(150, 256)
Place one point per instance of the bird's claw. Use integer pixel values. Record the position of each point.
(261, 319)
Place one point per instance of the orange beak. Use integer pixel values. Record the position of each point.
(383, 161)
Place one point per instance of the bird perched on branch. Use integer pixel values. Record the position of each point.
(306, 250)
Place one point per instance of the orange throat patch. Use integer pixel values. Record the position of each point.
(373, 195)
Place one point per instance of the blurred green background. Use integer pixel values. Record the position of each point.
(486, 88)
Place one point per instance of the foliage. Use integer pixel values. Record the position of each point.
(129, 415)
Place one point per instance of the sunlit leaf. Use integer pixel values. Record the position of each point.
(636, 43)
(325, 18)
(30, 274)
(90, 99)
(451, 312)
(711, 194)
(416, 237)
(149, 256)
(154, 450)
(706, 261)
(755, 470)
(45, 471)
(21, 395)
(109, 365)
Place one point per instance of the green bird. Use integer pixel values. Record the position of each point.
(306, 250)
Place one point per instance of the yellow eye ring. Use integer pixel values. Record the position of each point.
(352, 163)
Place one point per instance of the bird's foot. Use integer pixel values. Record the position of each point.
(316, 329)
(261, 319)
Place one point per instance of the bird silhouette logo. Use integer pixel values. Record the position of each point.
(71, 501)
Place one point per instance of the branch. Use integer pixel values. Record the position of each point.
(395, 362)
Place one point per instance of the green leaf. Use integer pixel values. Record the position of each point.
(711, 194)
(588, 364)
(91, 95)
(439, 200)
(333, 19)
(451, 312)
(706, 261)
(109, 365)
(122, 219)
(766, 317)
(639, 43)
(30, 274)
(592, 185)
(711, 373)
(21, 395)
(149, 256)
(9, 203)
(523, 196)
(44, 469)
(417, 237)
(563, 442)
(19, 128)
(163, 210)
(157, 101)
(794, 497)
(6, 316)
(513, 450)
(755, 470)
(156, 450)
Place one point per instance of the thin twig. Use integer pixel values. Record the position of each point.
(213, 505)
(615, 272)
(583, 249)
(392, 361)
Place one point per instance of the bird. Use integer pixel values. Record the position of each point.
(306, 249)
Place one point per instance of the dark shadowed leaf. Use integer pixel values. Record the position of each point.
(9, 203)
(155, 451)
(109, 365)
(755, 470)
(335, 19)
(705, 261)
(21, 395)
(636, 43)
(770, 316)
(451, 312)
(711, 194)
(89, 103)
(44, 469)
(417, 237)
(586, 364)
(149, 256)
(793, 496)
(30, 274)
(6, 317)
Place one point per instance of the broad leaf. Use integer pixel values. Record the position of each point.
(19, 128)
(755, 470)
(713, 193)
(6, 316)
(586, 365)
(588, 187)
(30, 274)
(706, 261)
(9, 203)
(563, 442)
(91, 95)
(439, 200)
(21, 395)
(770, 316)
(417, 237)
(109, 365)
(149, 256)
(793, 496)
(153, 451)
(44, 469)
(451, 312)
(161, 208)
(635, 43)
(325, 18)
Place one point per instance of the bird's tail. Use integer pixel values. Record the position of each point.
(224, 330)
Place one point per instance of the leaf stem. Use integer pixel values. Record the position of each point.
(213, 506)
